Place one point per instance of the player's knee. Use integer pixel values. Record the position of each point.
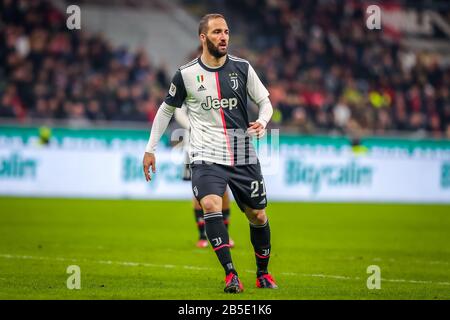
(257, 217)
(210, 204)
(261, 217)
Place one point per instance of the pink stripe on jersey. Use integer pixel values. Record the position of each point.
(219, 95)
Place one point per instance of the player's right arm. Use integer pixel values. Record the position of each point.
(174, 99)
(160, 123)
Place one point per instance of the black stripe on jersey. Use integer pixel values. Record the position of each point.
(177, 91)
(237, 118)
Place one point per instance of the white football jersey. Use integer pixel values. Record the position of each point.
(216, 101)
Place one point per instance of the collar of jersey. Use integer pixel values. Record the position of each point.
(212, 69)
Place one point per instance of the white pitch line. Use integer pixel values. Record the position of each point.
(378, 259)
(170, 266)
(415, 261)
(438, 262)
(313, 275)
(333, 276)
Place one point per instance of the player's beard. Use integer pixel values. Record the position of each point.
(214, 50)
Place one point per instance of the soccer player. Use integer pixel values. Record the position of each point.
(183, 120)
(215, 88)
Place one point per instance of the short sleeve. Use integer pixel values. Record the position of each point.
(255, 88)
(177, 91)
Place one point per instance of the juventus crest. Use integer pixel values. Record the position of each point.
(217, 241)
(234, 81)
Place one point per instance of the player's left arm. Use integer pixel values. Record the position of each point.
(259, 94)
(265, 114)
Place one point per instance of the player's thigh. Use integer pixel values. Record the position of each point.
(247, 185)
(208, 180)
(226, 199)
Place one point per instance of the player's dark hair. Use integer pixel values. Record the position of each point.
(203, 25)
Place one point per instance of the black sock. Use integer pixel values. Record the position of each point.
(218, 237)
(260, 237)
(226, 217)
(200, 223)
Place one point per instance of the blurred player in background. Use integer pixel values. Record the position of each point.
(182, 118)
(215, 88)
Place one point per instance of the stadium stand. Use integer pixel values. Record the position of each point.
(325, 70)
(48, 71)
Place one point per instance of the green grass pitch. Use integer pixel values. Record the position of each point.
(129, 249)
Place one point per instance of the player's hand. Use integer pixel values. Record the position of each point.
(149, 161)
(256, 129)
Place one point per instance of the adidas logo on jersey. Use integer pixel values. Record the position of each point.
(222, 103)
(201, 88)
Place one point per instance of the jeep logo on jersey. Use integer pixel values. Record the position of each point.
(216, 103)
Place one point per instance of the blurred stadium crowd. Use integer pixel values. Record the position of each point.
(325, 70)
(48, 71)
